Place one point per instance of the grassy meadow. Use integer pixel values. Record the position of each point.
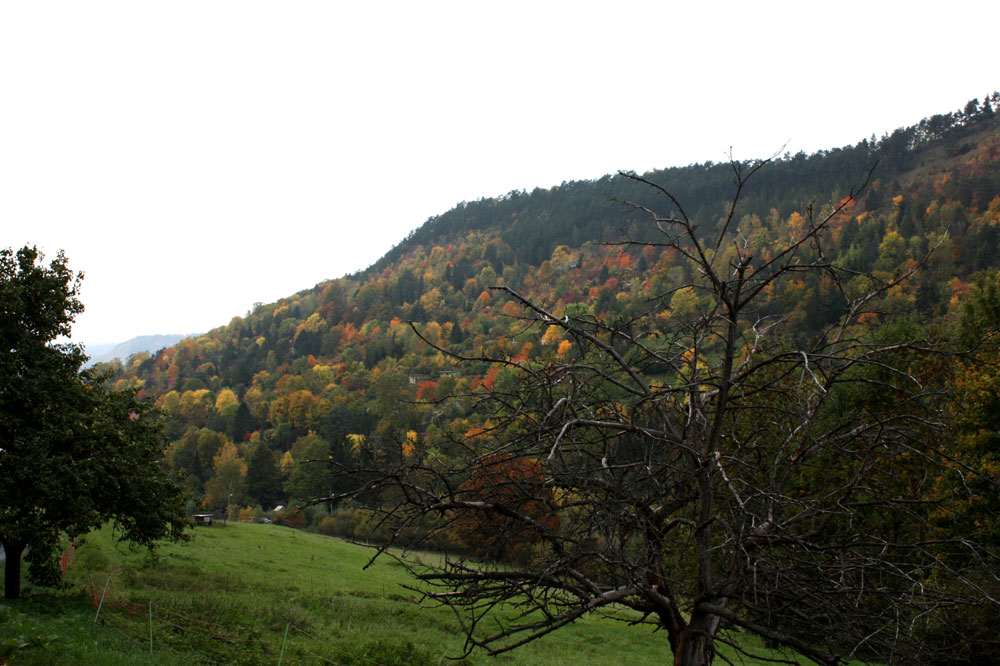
(228, 595)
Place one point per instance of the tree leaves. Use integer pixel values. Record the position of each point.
(73, 454)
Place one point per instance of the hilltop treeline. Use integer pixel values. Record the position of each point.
(533, 224)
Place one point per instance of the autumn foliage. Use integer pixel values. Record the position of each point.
(509, 508)
(341, 358)
(361, 366)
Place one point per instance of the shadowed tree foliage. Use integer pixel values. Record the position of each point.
(263, 478)
(73, 454)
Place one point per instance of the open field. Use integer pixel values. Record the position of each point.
(228, 595)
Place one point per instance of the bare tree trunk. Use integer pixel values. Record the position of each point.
(696, 647)
(12, 568)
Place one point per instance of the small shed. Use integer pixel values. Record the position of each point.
(203, 519)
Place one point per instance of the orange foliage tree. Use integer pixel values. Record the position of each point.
(505, 506)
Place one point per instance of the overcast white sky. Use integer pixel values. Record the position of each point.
(194, 157)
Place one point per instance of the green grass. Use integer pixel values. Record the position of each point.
(228, 595)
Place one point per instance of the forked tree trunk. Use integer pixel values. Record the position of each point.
(12, 568)
(696, 647)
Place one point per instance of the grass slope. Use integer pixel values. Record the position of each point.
(228, 595)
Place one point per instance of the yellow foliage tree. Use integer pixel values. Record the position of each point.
(684, 302)
(410, 444)
(226, 486)
(287, 463)
(357, 442)
(226, 398)
(552, 335)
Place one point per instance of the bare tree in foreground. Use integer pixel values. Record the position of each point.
(708, 468)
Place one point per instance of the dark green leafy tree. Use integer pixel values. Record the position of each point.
(73, 454)
(242, 423)
(310, 477)
(263, 480)
(981, 311)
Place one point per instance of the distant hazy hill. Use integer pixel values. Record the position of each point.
(103, 353)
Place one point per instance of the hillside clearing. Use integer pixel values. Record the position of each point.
(228, 595)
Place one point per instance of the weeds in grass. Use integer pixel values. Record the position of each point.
(17, 632)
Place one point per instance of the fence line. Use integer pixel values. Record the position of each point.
(67, 559)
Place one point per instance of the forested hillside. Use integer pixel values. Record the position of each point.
(337, 371)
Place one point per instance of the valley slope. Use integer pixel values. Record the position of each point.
(336, 371)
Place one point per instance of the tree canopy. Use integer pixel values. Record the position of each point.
(73, 454)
